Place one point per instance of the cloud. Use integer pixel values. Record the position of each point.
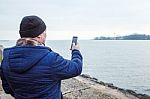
(78, 15)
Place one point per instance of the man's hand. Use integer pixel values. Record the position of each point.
(75, 46)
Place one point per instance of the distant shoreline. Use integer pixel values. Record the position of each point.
(127, 37)
(122, 40)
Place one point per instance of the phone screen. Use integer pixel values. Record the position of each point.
(74, 40)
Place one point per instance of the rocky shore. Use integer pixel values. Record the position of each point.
(86, 87)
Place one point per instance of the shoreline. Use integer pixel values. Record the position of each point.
(129, 91)
(88, 86)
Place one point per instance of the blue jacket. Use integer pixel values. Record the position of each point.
(35, 72)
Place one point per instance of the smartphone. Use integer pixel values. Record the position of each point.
(74, 40)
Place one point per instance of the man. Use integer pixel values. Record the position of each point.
(30, 70)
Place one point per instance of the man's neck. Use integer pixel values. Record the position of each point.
(29, 41)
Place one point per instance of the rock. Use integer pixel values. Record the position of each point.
(142, 96)
(131, 91)
(1, 52)
(94, 79)
(109, 84)
(101, 83)
(85, 76)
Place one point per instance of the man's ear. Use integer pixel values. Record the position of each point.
(39, 36)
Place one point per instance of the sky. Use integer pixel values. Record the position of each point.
(83, 18)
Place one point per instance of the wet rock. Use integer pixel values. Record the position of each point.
(125, 91)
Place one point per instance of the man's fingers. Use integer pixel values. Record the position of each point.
(74, 44)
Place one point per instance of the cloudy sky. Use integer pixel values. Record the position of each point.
(84, 18)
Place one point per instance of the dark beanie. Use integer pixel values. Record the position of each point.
(31, 26)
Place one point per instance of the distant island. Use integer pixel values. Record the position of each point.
(127, 37)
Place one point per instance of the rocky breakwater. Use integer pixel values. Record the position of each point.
(86, 87)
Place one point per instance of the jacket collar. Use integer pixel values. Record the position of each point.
(28, 41)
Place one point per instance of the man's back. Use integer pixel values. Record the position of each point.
(31, 72)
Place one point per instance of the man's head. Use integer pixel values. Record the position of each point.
(33, 27)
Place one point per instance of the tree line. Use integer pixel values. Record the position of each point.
(127, 37)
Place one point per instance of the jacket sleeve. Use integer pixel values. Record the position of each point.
(64, 68)
(5, 84)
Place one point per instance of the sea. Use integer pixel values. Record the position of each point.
(125, 63)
